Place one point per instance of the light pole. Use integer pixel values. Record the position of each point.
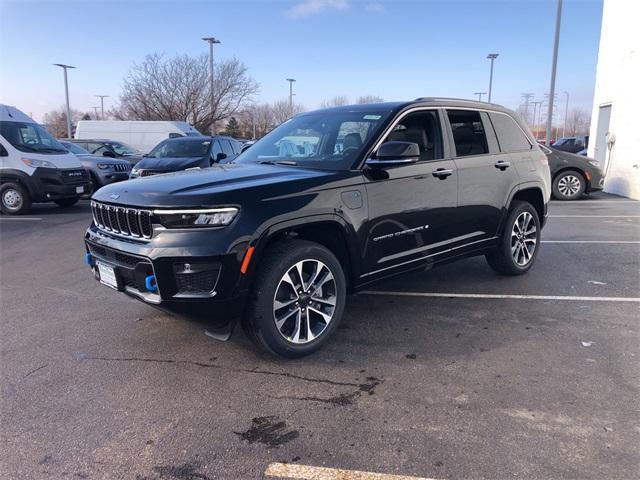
(211, 41)
(492, 57)
(554, 63)
(66, 93)
(290, 80)
(566, 114)
(102, 97)
(537, 106)
(479, 95)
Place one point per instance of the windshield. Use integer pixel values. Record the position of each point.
(325, 139)
(122, 148)
(30, 137)
(73, 148)
(181, 148)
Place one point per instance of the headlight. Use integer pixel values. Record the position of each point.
(594, 163)
(104, 166)
(135, 173)
(33, 163)
(211, 217)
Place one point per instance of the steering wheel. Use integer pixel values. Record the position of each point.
(349, 151)
(31, 141)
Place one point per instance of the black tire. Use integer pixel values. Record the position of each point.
(260, 317)
(67, 202)
(569, 185)
(504, 259)
(14, 199)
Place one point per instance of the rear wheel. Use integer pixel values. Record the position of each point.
(518, 246)
(14, 199)
(67, 202)
(297, 300)
(569, 185)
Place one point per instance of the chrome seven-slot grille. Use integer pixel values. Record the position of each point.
(131, 222)
(121, 167)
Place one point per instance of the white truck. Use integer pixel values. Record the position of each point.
(34, 167)
(141, 135)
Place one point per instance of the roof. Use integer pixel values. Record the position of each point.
(12, 114)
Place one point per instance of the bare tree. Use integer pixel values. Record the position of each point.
(336, 101)
(55, 121)
(578, 122)
(369, 99)
(281, 112)
(177, 88)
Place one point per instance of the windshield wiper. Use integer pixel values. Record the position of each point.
(278, 162)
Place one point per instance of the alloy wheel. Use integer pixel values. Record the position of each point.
(523, 239)
(305, 301)
(12, 199)
(569, 185)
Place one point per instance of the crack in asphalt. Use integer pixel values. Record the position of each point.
(35, 370)
(221, 367)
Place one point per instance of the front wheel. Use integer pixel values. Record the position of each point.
(569, 185)
(67, 202)
(519, 243)
(14, 199)
(297, 300)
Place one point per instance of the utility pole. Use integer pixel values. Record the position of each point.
(537, 106)
(554, 64)
(527, 97)
(66, 94)
(95, 111)
(566, 114)
(102, 97)
(290, 80)
(492, 57)
(479, 95)
(211, 41)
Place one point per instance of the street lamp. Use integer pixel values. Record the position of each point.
(66, 93)
(479, 95)
(290, 80)
(102, 97)
(554, 63)
(492, 57)
(211, 41)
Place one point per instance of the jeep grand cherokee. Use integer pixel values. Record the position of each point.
(325, 204)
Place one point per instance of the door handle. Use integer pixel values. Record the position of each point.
(442, 173)
(502, 165)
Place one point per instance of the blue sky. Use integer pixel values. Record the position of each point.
(394, 49)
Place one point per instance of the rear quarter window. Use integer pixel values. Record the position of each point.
(511, 138)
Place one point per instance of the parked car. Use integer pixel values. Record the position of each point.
(572, 144)
(572, 175)
(109, 148)
(141, 135)
(186, 152)
(34, 167)
(281, 235)
(102, 170)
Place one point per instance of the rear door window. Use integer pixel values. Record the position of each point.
(468, 131)
(215, 150)
(510, 136)
(226, 148)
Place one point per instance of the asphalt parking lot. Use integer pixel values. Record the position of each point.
(450, 373)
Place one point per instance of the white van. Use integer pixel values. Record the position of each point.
(34, 167)
(141, 135)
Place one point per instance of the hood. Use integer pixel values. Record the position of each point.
(92, 160)
(171, 163)
(219, 185)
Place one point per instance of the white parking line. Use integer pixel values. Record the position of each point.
(594, 216)
(593, 241)
(20, 218)
(573, 204)
(306, 472)
(502, 296)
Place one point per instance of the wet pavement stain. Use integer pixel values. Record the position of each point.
(186, 471)
(343, 399)
(270, 431)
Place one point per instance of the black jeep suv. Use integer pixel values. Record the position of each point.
(326, 203)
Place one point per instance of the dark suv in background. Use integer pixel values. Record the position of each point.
(181, 153)
(108, 148)
(325, 204)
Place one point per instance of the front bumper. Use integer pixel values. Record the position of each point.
(595, 181)
(190, 279)
(52, 184)
(107, 177)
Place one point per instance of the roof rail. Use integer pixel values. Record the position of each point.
(439, 99)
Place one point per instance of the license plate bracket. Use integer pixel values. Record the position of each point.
(108, 275)
(79, 189)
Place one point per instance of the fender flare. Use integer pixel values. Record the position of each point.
(13, 175)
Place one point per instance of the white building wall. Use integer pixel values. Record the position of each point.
(618, 84)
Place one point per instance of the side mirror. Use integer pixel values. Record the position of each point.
(109, 154)
(395, 153)
(221, 156)
(245, 148)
